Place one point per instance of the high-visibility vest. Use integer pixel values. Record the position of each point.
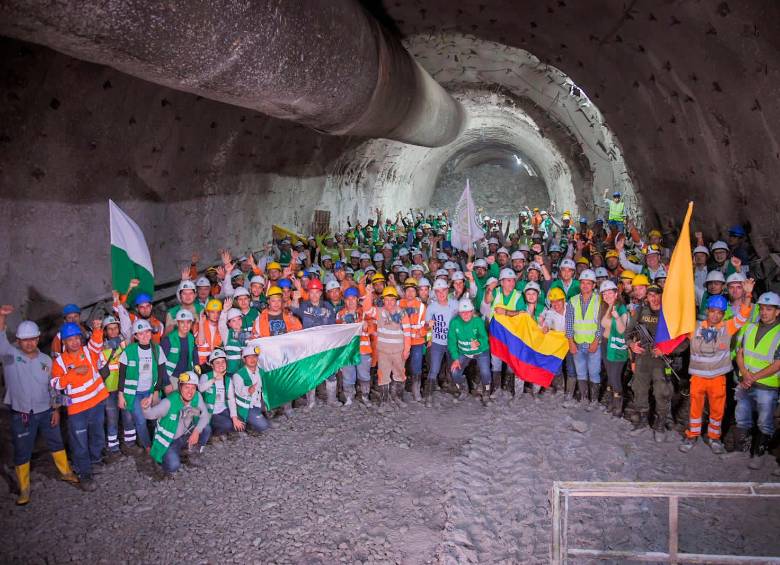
(710, 358)
(233, 348)
(262, 326)
(392, 330)
(82, 391)
(172, 357)
(112, 359)
(585, 326)
(165, 432)
(346, 317)
(759, 356)
(131, 373)
(511, 302)
(616, 211)
(210, 395)
(243, 403)
(415, 309)
(208, 339)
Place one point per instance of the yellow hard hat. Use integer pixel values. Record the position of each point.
(583, 261)
(556, 294)
(629, 275)
(273, 291)
(379, 277)
(390, 291)
(640, 280)
(566, 215)
(410, 282)
(273, 265)
(654, 233)
(612, 253)
(214, 305)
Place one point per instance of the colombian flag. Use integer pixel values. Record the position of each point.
(678, 306)
(533, 355)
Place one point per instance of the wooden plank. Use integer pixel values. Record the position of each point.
(555, 496)
(664, 490)
(662, 557)
(673, 530)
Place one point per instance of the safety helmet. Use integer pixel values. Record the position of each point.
(582, 261)
(235, 273)
(719, 245)
(423, 282)
(616, 195)
(273, 291)
(769, 299)
(701, 249)
(660, 274)
(233, 313)
(736, 278)
(203, 281)
(640, 280)
(284, 283)
(503, 250)
(184, 316)
(737, 231)
(403, 269)
(188, 378)
(717, 302)
(493, 241)
(108, 320)
(517, 255)
(440, 284)
(141, 326)
(355, 254)
(654, 233)
(449, 265)
(213, 305)
(411, 282)
(379, 277)
(465, 305)
(69, 329)
(143, 298)
(607, 285)
(612, 253)
(27, 330)
(556, 294)
(480, 263)
(403, 252)
(534, 266)
(184, 285)
(273, 265)
(416, 251)
(217, 354)
(567, 264)
(715, 276)
(257, 279)
(628, 275)
(441, 273)
(240, 291)
(458, 276)
(653, 250)
(555, 248)
(442, 256)
(583, 220)
(378, 257)
(417, 268)
(332, 285)
(314, 284)
(250, 350)
(507, 274)
(390, 291)
(588, 275)
(491, 280)
(365, 257)
(370, 269)
(351, 292)
(654, 288)
(532, 286)
(601, 273)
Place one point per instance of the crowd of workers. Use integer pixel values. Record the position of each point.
(135, 384)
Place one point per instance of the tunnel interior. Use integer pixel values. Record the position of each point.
(589, 98)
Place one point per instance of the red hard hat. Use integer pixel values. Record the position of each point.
(314, 283)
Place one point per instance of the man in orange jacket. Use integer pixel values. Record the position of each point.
(75, 373)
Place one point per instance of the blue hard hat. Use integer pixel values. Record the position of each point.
(718, 302)
(284, 283)
(351, 291)
(616, 194)
(143, 298)
(338, 265)
(737, 231)
(71, 309)
(69, 330)
(583, 220)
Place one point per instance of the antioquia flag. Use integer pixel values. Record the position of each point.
(130, 257)
(465, 227)
(532, 355)
(293, 364)
(279, 232)
(678, 304)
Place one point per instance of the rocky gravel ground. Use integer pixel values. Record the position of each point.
(459, 483)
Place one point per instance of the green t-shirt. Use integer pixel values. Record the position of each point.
(462, 334)
(616, 342)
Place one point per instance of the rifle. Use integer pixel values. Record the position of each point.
(641, 334)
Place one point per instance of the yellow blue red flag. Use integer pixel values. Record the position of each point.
(678, 307)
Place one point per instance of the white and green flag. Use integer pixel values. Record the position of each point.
(130, 257)
(293, 364)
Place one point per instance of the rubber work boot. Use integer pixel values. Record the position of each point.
(518, 393)
(741, 440)
(659, 429)
(495, 389)
(569, 400)
(400, 388)
(688, 443)
(758, 459)
(428, 393)
(594, 396)
(416, 388)
(23, 477)
(716, 446)
(639, 419)
(463, 390)
(365, 391)
(61, 462)
(311, 400)
(384, 396)
(349, 394)
(87, 484)
(484, 394)
(331, 388)
(617, 405)
(557, 384)
(606, 399)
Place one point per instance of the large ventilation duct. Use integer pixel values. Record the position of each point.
(327, 65)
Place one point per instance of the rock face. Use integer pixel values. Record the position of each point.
(688, 90)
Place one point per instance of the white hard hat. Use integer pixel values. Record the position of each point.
(442, 257)
(588, 275)
(141, 326)
(480, 263)
(403, 251)
(534, 266)
(502, 250)
(441, 273)
(416, 251)
(240, 291)
(439, 284)
(720, 245)
(257, 279)
(184, 316)
(491, 280)
(250, 350)
(332, 285)
(236, 273)
(403, 269)
(736, 278)
(191, 378)
(365, 256)
(416, 267)
(660, 274)
(493, 241)
(507, 274)
(532, 286)
(769, 299)
(108, 320)
(28, 330)
(601, 272)
(356, 254)
(568, 264)
(450, 265)
(715, 276)
(423, 282)
(458, 276)
(387, 246)
(701, 249)
(607, 285)
(555, 248)
(203, 281)
(379, 257)
(517, 255)
(185, 285)
(397, 263)
(524, 248)
(465, 305)
(233, 313)
(217, 354)
(653, 251)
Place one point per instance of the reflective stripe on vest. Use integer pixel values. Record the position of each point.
(585, 327)
(88, 389)
(511, 302)
(166, 428)
(761, 355)
(130, 387)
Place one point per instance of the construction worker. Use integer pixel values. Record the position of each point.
(186, 293)
(715, 284)
(202, 291)
(415, 310)
(71, 313)
(143, 311)
(114, 344)
(503, 301)
(245, 394)
(617, 211)
(182, 421)
(257, 293)
(231, 335)
(34, 405)
(179, 349)
(566, 281)
(352, 313)
(142, 375)
(614, 319)
(710, 362)
(213, 386)
(554, 319)
(467, 341)
(209, 337)
(758, 359)
(243, 301)
(393, 344)
(438, 315)
(583, 330)
(76, 374)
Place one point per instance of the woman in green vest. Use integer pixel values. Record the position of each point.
(214, 388)
(614, 318)
(182, 421)
(245, 394)
(230, 331)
